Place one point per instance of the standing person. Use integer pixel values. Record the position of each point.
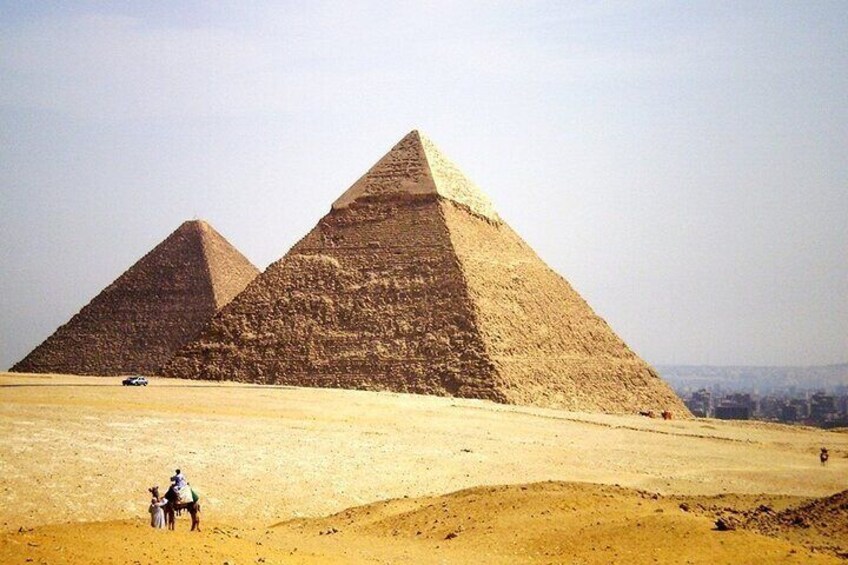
(157, 515)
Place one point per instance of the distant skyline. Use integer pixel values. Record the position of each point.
(682, 165)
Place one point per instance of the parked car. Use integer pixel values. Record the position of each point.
(134, 381)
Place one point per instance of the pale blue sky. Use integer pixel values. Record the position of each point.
(683, 165)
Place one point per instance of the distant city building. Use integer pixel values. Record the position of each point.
(802, 406)
(788, 413)
(740, 399)
(733, 412)
(791, 405)
(822, 407)
(700, 403)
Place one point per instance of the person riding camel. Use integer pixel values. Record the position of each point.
(178, 485)
(178, 480)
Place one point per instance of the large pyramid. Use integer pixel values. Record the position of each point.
(157, 306)
(412, 283)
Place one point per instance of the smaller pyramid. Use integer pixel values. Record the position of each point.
(158, 305)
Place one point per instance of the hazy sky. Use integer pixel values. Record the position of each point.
(683, 164)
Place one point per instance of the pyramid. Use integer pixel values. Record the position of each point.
(413, 283)
(157, 306)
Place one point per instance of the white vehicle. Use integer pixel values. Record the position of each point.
(134, 381)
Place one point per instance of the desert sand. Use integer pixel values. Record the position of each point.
(297, 475)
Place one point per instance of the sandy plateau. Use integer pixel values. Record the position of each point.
(296, 475)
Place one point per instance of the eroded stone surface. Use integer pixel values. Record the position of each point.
(415, 167)
(373, 298)
(549, 346)
(453, 185)
(160, 303)
(412, 283)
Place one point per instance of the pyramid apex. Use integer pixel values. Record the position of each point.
(418, 135)
(196, 222)
(415, 166)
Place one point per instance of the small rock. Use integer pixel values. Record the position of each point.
(451, 535)
(724, 525)
(800, 522)
(684, 507)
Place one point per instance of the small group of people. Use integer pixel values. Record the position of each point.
(157, 504)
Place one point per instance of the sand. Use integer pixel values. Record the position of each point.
(78, 453)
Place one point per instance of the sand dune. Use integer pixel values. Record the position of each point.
(77, 449)
(537, 523)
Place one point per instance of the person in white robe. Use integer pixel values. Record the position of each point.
(157, 514)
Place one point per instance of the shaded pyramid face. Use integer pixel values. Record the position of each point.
(412, 283)
(157, 306)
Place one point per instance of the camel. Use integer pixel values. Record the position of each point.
(823, 456)
(173, 508)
